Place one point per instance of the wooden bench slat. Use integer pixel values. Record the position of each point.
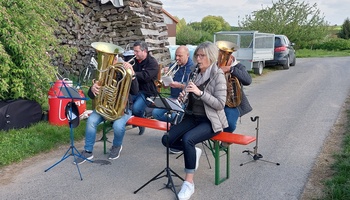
(149, 123)
(234, 138)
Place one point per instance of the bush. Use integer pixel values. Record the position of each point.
(27, 39)
(333, 44)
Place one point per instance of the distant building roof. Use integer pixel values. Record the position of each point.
(170, 16)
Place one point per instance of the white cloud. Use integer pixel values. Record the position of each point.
(335, 12)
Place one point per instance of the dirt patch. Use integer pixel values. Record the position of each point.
(322, 169)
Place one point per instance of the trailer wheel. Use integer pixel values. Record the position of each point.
(259, 69)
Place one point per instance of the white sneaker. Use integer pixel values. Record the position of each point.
(187, 189)
(198, 156)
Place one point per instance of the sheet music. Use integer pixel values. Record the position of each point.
(167, 80)
(174, 104)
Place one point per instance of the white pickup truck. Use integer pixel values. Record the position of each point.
(254, 47)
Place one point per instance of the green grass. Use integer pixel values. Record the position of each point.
(17, 145)
(338, 187)
(306, 53)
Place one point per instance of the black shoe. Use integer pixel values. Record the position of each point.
(115, 152)
(142, 130)
(174, 151)
(84, 155)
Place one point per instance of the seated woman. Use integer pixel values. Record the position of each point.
(204, 114)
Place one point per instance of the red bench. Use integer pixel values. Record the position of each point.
(214, 142)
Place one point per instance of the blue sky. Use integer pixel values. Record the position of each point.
(335, 11)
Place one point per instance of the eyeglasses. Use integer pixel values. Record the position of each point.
(199, 55)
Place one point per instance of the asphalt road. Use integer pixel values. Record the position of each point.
(297, 109)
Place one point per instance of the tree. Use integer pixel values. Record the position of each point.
(300, 21)
(181, 24)
(345, 30)
(196, 26)
(214, 24)
(197, 32)
(187, 36)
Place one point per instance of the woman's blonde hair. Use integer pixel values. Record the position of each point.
(210, 50)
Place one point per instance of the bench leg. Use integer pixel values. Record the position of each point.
(217, 156)
(104, 137)
(106, 128)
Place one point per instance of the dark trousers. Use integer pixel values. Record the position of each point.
(185, 135)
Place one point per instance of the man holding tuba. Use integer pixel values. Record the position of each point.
(118, 125)
(146, 70)
(236, 76)
(181, 70)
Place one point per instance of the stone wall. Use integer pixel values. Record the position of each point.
(96, 22)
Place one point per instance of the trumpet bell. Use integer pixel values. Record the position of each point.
(226, 48)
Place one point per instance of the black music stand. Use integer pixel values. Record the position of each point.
(72, 113)
(170, 106)
(254, 154)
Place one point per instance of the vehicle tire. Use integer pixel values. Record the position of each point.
(294, 62)
(260, 68)
(286, 65)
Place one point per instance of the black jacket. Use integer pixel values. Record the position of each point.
(244, 78)
(146, 73)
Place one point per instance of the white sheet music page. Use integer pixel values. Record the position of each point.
(174, 104)
(167, 80)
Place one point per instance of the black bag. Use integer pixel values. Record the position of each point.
(19, 113)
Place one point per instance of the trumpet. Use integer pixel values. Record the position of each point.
(171, 73)
(120, 60)
(132, 59)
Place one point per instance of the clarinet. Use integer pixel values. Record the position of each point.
(191, 78)
(184, 102)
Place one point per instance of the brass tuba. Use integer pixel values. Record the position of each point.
(114, 80)
(225, 58)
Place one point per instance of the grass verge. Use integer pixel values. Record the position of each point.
(338, 186)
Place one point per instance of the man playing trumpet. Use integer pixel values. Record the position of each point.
(182, 69)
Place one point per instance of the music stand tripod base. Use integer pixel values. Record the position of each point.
(72, 114)
(255, 155)
(168, 171)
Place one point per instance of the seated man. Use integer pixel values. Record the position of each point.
(146, 70)
(118, 125)
(182, 69)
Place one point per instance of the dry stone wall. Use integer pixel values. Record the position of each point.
(96, 22)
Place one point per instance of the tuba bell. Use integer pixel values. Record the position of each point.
(114, 80)
(225, 58)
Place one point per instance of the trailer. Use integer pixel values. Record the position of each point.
(254, 48)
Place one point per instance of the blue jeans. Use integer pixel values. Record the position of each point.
(232, 115)
(185, 135)
(161, 115)
(139, 104)
(91, 128)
